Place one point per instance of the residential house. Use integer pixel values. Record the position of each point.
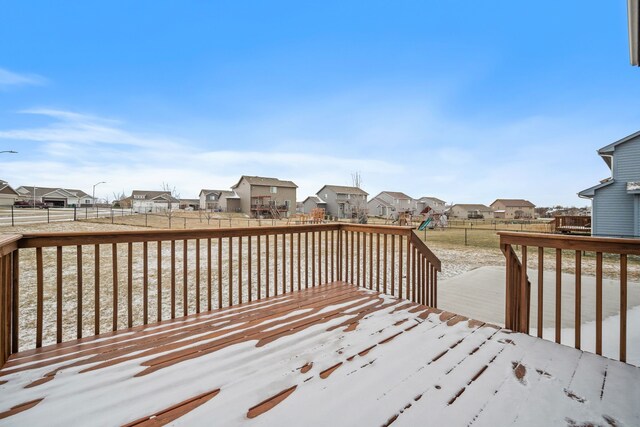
(262, 196)
(150, 201)
(616, 200)
(57, 197)
(470, 211)
(8, 196)
(391, 203)
(437, 205)
(513, 208)
(343, 201)
(190, 204)
(313, 202)
(379, 207)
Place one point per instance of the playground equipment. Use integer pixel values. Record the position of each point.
(432, 219)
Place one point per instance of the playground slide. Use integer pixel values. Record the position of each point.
(424, 224)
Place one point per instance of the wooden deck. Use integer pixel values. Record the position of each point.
(329, 355)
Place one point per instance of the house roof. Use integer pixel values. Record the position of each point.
(43, 191)
(608, 150)
(343, 189)
(515, 203)
(397, 195)
(591, 191)
(379, 201)
(5, 188)
(316, 199)
(265, 181)
(473, 207)
(207, 192)
(152, 195)
(435, 199)
(227, 194)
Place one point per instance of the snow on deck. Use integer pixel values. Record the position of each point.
(332, 355)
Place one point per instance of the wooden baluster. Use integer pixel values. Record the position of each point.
(185, 277)
(623, 307)
(79, 291)
(371, 261)
(364, 260)
(413, 273)
(159, 279)
(239, 269)
(377, 262)
(299, 237)
(197, 275)
(524, 297)
(284, 263)
(319, 257)
(351, 259)
(249, 272)
(209, 273)
(259, 275)
(114, 257)
(408, 290)
(384, 282)
(266, 264)
(578, 298)
(173, 279)
(333, 254)
(313, 258)
(306, 259)
(400, 261)
(393, 264)
(59, 294)
(291, 263)
(15, 296)
(508, 300)
(275, 265)
(540, 289)
(435, 287)
(358, 272)
(326, 256)
(129, 284)
(558, 295)
(230, 271)
(145, 283)
(219, 272)
(599, 303)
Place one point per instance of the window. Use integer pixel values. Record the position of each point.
(273, 190)
(139, 196)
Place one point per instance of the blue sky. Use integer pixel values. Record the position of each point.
(467, 101)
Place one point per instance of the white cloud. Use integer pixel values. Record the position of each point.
(11, 79)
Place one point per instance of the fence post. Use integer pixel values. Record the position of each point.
(465, 236)
(12, 223)
(111, 215)
(145, 218)
(86, 212)
(97, 210)
(48, 220)
(185, 223)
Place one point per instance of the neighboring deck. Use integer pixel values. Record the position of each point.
(329, 355)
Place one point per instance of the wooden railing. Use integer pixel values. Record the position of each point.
(518, 286)
(59, 286)
(572, 224)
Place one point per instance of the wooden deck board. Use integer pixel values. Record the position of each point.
(331, 354)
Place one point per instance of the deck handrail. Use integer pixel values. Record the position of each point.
(518, 287)
(93, 281)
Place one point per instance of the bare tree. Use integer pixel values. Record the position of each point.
(359, 209)
(117, 197)
(174, 195)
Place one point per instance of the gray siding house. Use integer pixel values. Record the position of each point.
(391, 203)
(343, 201)
(258, 195)
(219, 200)
(313, 202)
(616, 200)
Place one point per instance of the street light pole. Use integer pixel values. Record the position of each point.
(93, 195)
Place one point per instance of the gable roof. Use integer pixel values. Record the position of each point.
(473, 207)
(607, 151)
(265, 181)
(43, 191)
(316, 199)
(153, 195)
(435, 199)
(515, 203)
(591, 191)
(397, 195)
(380, 202)
(343, 189)
(5, 188)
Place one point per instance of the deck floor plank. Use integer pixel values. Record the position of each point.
(360, 358)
